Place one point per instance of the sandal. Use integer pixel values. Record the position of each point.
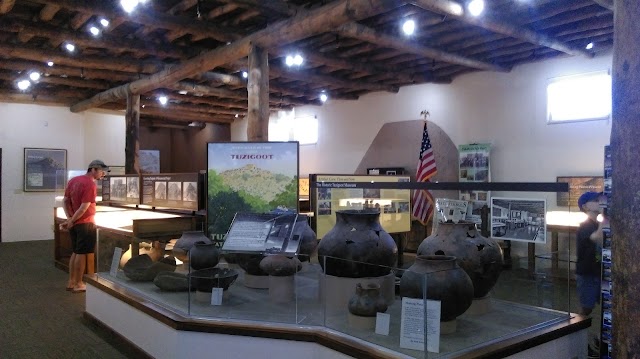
(79, 290)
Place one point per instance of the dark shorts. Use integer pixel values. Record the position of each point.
(588, 290)
(83, 238)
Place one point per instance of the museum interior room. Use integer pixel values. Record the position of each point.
(326, 179)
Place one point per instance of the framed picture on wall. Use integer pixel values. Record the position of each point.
(45, 169)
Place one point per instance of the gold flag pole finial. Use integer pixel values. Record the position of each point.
(425, 114)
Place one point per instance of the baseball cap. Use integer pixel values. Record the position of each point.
(588, 197)
(99, 164)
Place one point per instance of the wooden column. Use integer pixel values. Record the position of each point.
(258, 92)
(132, 140)
(625, 206)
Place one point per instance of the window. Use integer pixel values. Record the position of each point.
(286, 127)
(579, 98)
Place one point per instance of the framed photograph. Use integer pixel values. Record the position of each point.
(45, 169)
(519, 219)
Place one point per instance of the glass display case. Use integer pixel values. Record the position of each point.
(129, 225)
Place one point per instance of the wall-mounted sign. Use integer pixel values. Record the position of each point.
(577, 186)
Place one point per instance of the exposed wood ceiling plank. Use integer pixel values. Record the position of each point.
(146, 17)
(48, 12)
(300, 26)
(6, 6)
(367, 34)
(308, 76)
(455, 10)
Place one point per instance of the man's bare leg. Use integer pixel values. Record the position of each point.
(71, 283)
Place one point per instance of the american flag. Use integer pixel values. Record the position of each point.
(422, 199)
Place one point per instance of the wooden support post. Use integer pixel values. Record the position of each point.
(625, 219)
(132, 140)
(258, 93)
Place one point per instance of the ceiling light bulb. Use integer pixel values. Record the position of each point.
(298, 60)
(104, 22)
(456, 9)
(589, 46)
(236, 115)
(476, 7)
(163, 100)
(24, 84)
(183, 92)
(289, 60)
(245, 74)
(324, 97)
(409, 27)
(70, 47)
(34, 76)
(50, 63)
(128, 5)
(94, 31)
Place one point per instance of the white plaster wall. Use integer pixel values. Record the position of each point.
(29, 215)
(505, 109)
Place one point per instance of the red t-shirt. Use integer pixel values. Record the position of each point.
(80, 190)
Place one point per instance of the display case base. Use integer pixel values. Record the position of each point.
(256, 281)
(361, 323)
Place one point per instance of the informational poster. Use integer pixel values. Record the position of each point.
(254, 177)
(413, 328)
(474, 167)
(149, 161)
(172, 190)
(519, 219)
(44, 169)
(121, 189)
(330, 196)
(577, 186)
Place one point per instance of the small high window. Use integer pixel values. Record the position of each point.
(286, 127)
(579, 98)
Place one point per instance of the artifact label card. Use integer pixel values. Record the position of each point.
(382, 323)
(115, 261)
(412, 327)
(216, 296)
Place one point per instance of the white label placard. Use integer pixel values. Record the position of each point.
(216, 296)
(412, 328)
(115, 261)
(382, 323)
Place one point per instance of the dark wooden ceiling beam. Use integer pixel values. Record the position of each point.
(48, 12)
(107, 41)
(449, 8)
(298, 27)
(269, 6)
(6, 6)
(308, 76)
(221, 10)
(177, 8)
(146, 17)
(26, 98)
(367, 34)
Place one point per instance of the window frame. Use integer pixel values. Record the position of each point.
(549, 114)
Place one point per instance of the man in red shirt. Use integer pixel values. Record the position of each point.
(80, 208)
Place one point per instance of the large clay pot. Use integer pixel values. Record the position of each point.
(367, 301)
(279, 265)
(357, 246)
(307, 237)
(204, 255)
(480, 257)
(445, 281)
(188, 239)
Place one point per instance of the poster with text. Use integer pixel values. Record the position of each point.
(258, 177)
(393, 204)
(170, 190)
(474, 167)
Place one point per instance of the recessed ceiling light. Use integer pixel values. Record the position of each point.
(163, 100)
(289, 60)
(409, 27)
(298, 60)
(104, 22)
(183, 92)
(34, 76)
(324, 97)
(589, 46)
(70, 47)
(236, 115)
(456, 9)
(24, 84)
(476, 7)
(245, 74)
(50, 63)
(94, 31)
(128, 5)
